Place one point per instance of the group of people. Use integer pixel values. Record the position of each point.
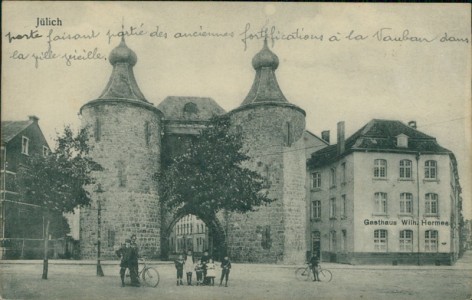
(205, 269)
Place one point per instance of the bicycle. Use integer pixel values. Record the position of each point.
(305, 273)
(149, 275)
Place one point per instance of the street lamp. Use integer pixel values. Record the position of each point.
(99, 191)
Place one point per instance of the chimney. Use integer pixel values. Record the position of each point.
(412, 124)
(325, 136)
(340, 145)
(33, 118)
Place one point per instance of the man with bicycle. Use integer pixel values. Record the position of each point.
(315, 266)
(125, 253)
(133, 263)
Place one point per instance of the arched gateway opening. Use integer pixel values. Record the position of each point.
(190, 230)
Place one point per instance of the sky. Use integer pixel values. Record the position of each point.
(338, 61)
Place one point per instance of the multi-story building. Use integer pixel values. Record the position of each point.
(22, 222)
(387, 194)
(190, 233)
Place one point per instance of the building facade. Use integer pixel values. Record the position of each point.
(133, 140)
(190, 233)
(21, 222)
(387, 194)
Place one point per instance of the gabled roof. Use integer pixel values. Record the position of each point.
(10, 129)
(380, 136)
(189, 108)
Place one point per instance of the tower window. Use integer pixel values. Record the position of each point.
(288, 134)
(147, 133)
(98, 130)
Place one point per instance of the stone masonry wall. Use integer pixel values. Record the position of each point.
(130, 203)
(295, 203)
(260, 236)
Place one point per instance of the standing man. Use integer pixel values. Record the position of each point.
(125, 254)
(314, 264)
(134, 265)
(225, 267)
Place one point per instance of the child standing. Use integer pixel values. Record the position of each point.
(179, 266)
(199, 272)
(189, 267)
(211, 272)
(225, 267)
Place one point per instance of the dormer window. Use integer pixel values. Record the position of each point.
(25, 145)
(190, 110)
(402, 141)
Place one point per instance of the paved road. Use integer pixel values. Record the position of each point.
(77, 280)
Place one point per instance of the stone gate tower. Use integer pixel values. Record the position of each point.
(272, 129)
(125, 135)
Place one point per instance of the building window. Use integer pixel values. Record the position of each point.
(380, 168)
(45, 151)
(315, 180)
(405, 169)
(316, 209)
(147, 133)
(406, 203)
(431, 203)
(332, 208)
(343, 240)
(332, 177)
(430, 169)
(380, 240)
(332, 241)
(343, 173)
(111, 238)
(98, 130)
(431, 241)
(25, 145)
(343, 207)
(380, 203)
(406, 240)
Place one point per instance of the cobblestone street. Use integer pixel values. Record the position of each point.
(77, 280)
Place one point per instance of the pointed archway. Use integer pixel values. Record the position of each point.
(217, 245)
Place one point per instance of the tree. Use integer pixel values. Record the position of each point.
(57, 182)
(209, 176)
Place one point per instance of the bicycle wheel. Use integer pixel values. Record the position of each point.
(302, 273)
(325, 275)
(151, 277)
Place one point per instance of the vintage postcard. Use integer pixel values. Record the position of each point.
(255, 150)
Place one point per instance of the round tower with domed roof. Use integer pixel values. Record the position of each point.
(125, 136)
(272, 130)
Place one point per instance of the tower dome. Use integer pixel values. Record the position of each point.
(265, 58)
(122, 54)
(122, 84)
(265, 87)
